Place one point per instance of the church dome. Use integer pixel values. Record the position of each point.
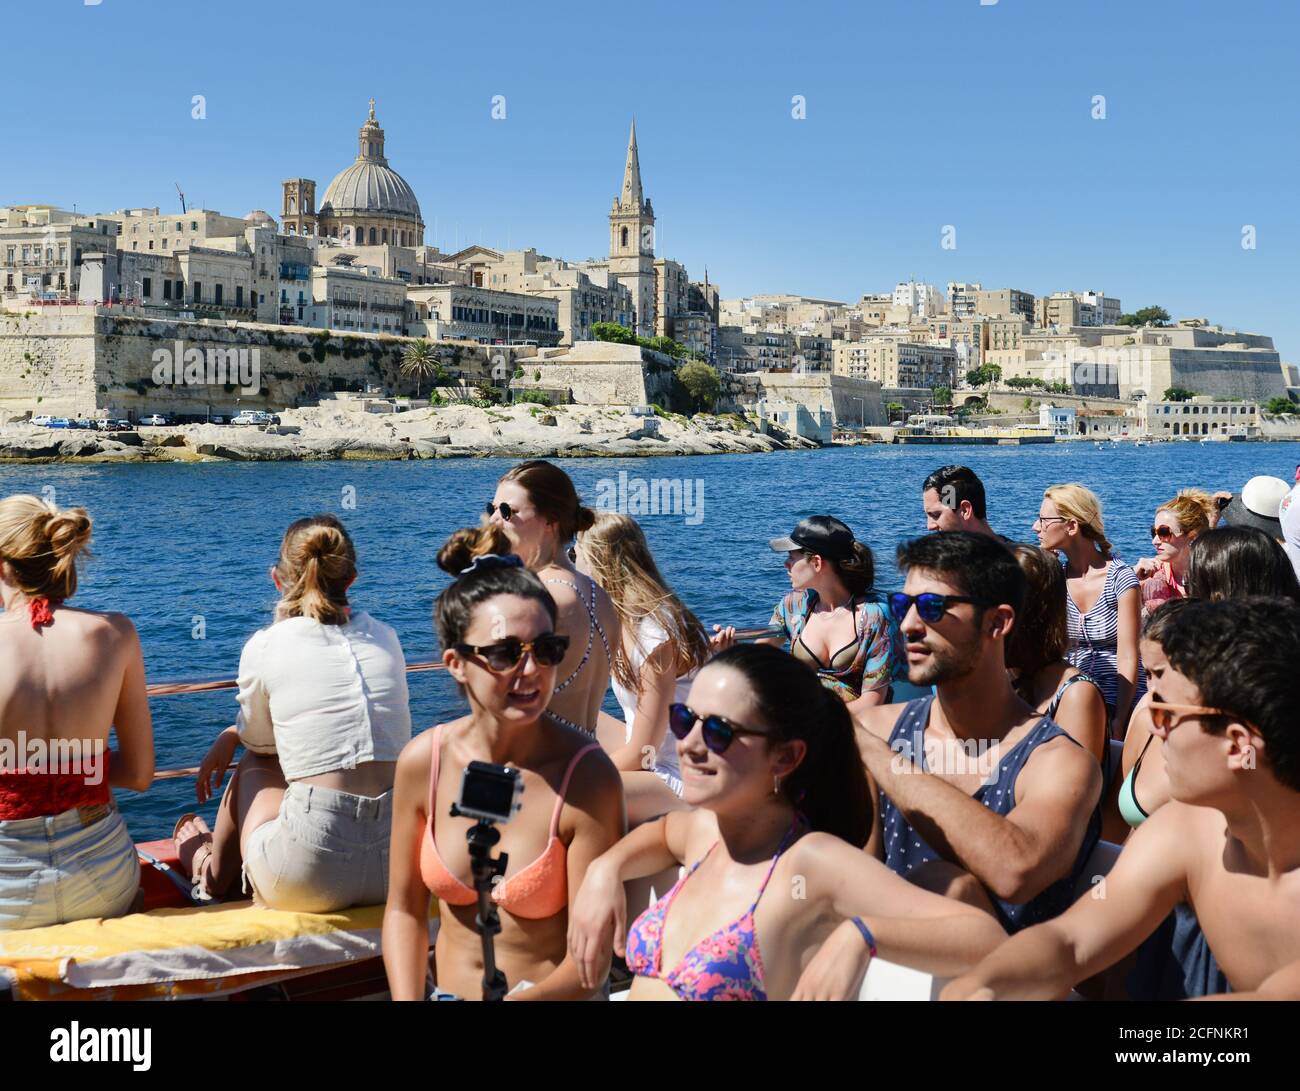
(370, 188)
(259, 216)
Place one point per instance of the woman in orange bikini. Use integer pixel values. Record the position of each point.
(496, 623)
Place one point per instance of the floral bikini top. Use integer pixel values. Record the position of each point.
(870, 661)
(724, 966)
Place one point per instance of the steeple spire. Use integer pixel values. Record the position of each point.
(632, 195)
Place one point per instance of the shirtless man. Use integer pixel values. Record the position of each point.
(953, 497)
(981, 797)
(1228, 841)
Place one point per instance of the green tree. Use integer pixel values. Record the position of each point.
(666, 345)
(1278, 406)
(895, 409)
(976, 377)
(612, 331)
(420, 359)
(1146, 316)
(702, 383)
(941, 395)
(1178, 394)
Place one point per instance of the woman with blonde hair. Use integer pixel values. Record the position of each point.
(1176, 526)
(663, 644)
(537, 507)
(1102, 599)
(323, 717)
(68, 677)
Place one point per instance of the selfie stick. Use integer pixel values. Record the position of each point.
(482, 836)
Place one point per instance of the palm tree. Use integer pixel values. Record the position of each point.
(421, 360)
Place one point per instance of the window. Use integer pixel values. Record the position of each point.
(239, 295)
(146, 289)
(180, 226)
(194, 226)
(198, 292)
(167, 289)
(180, 290)
(151, 244)
(372, 236)
(217, 295)
(9, 255)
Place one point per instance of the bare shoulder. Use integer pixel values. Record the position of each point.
(880, 719)
(1058, 761)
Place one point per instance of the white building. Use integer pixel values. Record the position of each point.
(1202, 416)
(923, 300)
(1060, 419)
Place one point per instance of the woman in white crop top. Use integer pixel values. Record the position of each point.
(323, 717)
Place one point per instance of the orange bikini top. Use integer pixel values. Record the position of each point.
(538, 891)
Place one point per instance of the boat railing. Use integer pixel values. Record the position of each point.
(209, 685)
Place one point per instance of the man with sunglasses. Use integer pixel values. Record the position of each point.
(1229, 840)
(981, 797)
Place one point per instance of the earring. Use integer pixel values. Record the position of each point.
(776, 785)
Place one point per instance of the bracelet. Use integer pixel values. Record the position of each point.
(866, 934)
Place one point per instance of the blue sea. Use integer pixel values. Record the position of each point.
(177, 543)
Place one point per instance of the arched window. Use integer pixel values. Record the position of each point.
(372, 236)
(384, 237)
(623, 242)
(293, 205)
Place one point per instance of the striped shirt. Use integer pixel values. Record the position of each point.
(1094, 636)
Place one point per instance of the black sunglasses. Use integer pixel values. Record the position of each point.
(548, 649)
(506, 510)
(718, 732)
(929, 606)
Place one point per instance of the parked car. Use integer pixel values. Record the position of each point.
(60, 422)
(42, 420)
(86, 423)
(156, 420)
(252, 416)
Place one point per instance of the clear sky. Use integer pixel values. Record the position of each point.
(919, 114)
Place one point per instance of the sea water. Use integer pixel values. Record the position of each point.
(185, 549)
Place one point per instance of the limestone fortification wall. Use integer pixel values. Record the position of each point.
(73, 361)
(599, 373)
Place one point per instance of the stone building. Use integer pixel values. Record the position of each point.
(41, 249)
(347, 298)
(367, 204)
(457, 312)
(632, 242)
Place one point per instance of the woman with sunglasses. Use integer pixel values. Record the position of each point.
(1103, 599)
(496, 624)
(537, 507)
(1176, 526)
(770, 764)
(830, 617)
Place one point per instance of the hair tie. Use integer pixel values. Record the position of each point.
(41, 612)
(489, 561)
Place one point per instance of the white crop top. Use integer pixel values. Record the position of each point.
(324, 697)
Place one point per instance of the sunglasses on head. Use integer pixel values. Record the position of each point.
(506, 510)
(1163, 533)
(548, 649)
(929, 606)
(718, 732)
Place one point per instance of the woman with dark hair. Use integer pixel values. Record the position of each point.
(830, 617)
(1035, 655)
(770, 763)
(537, 507)
(1233, 562)
(496, 624)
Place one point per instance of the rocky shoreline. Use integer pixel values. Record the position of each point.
(327, 433)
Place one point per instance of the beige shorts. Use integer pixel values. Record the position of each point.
(326, 850)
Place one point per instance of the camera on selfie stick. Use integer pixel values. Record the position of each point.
(489, 794)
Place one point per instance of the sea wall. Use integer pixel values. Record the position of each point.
(73, 361)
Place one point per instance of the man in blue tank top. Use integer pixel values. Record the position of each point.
(981, 797)
(1229, 839)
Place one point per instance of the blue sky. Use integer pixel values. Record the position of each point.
(920, 114)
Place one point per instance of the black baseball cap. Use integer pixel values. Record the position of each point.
(821, 534)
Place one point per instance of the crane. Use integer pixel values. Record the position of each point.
(182, 195)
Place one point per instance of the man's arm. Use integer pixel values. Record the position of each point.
(1105, 924)
(1283, 984)
(1015, 856)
